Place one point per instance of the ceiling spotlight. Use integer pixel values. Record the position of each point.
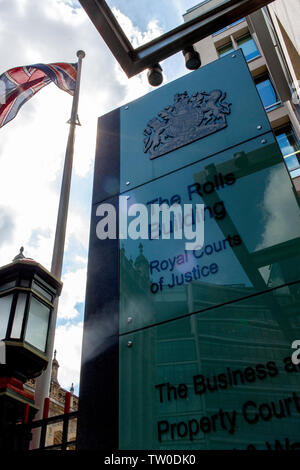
(192, 58)
(155, 76)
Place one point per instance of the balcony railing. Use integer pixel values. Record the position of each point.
(273, 106)
(294, 169)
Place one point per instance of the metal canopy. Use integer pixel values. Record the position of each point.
(134, 61)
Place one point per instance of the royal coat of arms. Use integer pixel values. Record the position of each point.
(189, 119)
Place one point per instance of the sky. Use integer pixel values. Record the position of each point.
(32, 146)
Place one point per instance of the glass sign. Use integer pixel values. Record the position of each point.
(192, 308)
(251, 236)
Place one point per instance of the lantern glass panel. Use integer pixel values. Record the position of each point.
(7, 285)
(18, 317)
(5, 306)
(37, 324)
(43, 292)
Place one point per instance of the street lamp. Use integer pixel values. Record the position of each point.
(192, 58)
(27, 294)
(155, 76)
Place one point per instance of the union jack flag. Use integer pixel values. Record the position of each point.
(19, 84)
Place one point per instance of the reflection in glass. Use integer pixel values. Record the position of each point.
(289, 146)
(7, 285)
(250, 242)
(267, 92)
(5, 306)
(37, 324)
(248, 46)
(224, 50)
(43, 292)
(233, 361)
(18, 316)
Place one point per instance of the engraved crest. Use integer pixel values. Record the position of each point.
(189, 119)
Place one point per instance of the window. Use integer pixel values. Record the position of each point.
(246, 43)
(57, 438)
(267, 92)
(224, 50)
(248, 46)
(290, 149)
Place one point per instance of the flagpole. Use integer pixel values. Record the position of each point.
(59, 241)
(43, 382)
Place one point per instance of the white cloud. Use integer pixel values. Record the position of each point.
(32, 146)
(68, 345)
(138, 85)
(135, 36)
(73, 292)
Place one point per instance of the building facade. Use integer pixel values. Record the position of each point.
(270, 41)
(57, 395)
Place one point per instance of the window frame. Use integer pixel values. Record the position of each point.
(250, 36)
(223, 47)
(277, 103)
(282, 129)
(235, 46)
